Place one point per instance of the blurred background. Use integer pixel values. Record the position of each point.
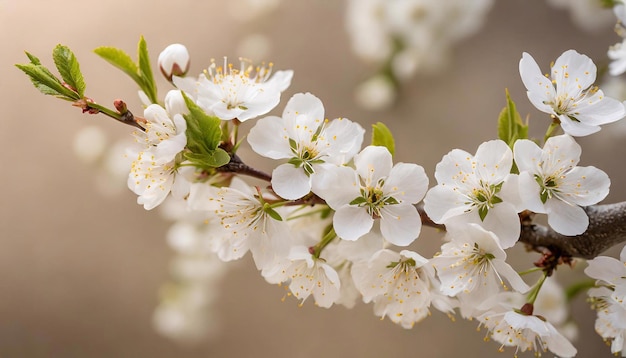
(82, 265)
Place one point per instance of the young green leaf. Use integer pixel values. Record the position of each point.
(215, 159)
(145, 71)
(33, 59)
(68, 67)
(46, 82)
(510, 125)
(119, 59)
(381, 136)
(204, 132)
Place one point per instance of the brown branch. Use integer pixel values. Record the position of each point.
(607, 228)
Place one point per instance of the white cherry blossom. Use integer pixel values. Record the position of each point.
(617, 54)
(609, 299)
(399, 284)
(472, 266)
(247, 223)
(525, 332)
(154, 170)
(231, 93)
(477, 189)
(551, 183)
(309, 142)
(153, 181)
(376, 191)
(568, 93)
(308, 275)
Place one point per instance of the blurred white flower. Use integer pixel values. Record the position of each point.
(376, 93)
(589, 15)
(90, 144)
(426, 28)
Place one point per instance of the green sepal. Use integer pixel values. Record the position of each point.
(381, 136)
(271, 212)
(510, 124)
(391, 201)
(68, 67)
(358, 201)
(482, 212)
(495, 200)
(296, 162)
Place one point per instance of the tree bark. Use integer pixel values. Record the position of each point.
(607, 228)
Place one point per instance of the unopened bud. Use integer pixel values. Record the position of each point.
(120, 106)
(174, 61)
(527, 309)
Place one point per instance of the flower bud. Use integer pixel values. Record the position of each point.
(174, 61)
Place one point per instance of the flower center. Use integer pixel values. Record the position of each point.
(374, 199)
(484, 198)
(306, 155)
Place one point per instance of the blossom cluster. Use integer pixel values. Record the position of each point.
(336, 219)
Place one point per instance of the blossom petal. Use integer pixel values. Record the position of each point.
(566, 219)
(289, 182)
(585, 186)
(495, 158)
(400, 224)
(337, 185)
(506, 271)
(373, 163)
(443, 202)
(304, 105)
(406, 183)
(573, 72)
(351, 222)
(268, 138)
(527, 155)
(606, 268)
(539, 88)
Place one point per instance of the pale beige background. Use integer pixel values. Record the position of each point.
(79, 272)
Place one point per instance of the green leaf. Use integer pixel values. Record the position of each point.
(215, 159)
(68, 67)
(46, 82)
(121, 60)
(204, 132)
(510, 125)
(34, 60)
(145, 71)
(381, 136)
